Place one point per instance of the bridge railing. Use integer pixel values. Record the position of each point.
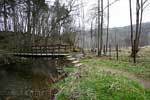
(59, 48)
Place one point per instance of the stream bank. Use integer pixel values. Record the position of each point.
(30, 80)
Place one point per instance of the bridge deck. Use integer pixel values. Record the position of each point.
(40, 54)
(57, 50)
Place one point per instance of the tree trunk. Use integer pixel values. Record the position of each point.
(28, 38)
(132, 42)
(28, 16)
(91, 36)
(5, 16)
(140, 26)
(107, 27)
(136, 43)
(98, 40)
(101, 35)
(14, 20)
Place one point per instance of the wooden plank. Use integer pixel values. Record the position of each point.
(33, 55)
(57, 48)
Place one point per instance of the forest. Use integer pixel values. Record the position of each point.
(74, 50)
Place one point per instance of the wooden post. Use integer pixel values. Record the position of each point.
(41, 50)
(117, 52)
(134, 52)
(31, 49)
(53, 50)
(46, 49)
(110, 51)
(59, 48)
(104, 50)
(36, 49)
(70, 46)
(65, 48)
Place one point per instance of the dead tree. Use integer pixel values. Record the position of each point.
(101, 35)
(107, 27)
(98, 40)
(135, 38)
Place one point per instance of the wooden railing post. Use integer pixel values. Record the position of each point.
(70, 47)
(59, 48)
(117, 52)
(52, 49)
(36, 49)
(46, 49)
(40, 50)
(65, 48)
(110, 51)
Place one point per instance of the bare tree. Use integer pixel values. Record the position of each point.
(5, 14)
(98, 40)
(131, 23)
(92, 35)
(107, 27)
(139, 16)
(83, 24)
(101, 35)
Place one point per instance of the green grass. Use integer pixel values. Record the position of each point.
(95, 84)
(141, 69)
(69, 69)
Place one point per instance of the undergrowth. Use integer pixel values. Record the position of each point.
(92, 83)
(141, 70)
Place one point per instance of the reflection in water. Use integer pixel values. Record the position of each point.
(30, 81)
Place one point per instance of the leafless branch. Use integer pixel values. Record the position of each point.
(145, 2)
(146, 6)
(112, 3)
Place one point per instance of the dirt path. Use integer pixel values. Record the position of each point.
(144, 83)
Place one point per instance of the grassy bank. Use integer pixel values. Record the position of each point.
(140, 69)
(92, 83)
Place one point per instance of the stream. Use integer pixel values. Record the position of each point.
(31, 80)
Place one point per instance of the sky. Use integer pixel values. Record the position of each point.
(119, 12)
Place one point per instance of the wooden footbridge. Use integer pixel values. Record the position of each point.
(57, 50)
